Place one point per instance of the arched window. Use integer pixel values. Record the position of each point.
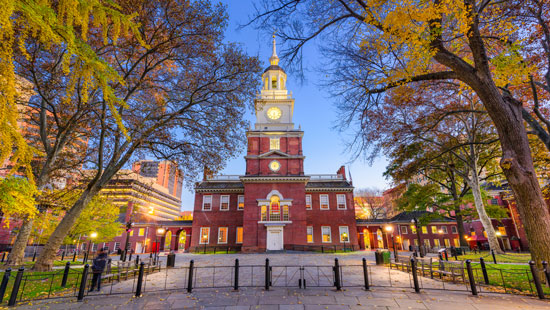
(168, 240)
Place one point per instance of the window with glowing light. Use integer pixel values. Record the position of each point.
(324, 202)
(141, 232)
(344, 234)
(341, 201)
(205, 235)
(222, 235)
(224, 202)
(308, 202)
(310, 234)
(274, 144)
(239, 238)
(240, 202)
(325, 230)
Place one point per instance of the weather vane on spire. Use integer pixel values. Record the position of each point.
(274, 59)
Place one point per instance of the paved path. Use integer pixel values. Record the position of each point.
(381, 296)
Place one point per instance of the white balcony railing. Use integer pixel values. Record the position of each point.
(319, 177)
(226, 177)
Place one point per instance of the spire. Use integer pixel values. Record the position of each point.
(274, 60)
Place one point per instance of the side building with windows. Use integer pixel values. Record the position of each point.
(274, 205)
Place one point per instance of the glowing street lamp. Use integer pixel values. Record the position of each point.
(389, 229)
(93, 235)
(160, 233)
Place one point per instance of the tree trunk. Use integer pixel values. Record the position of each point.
(483, 216)
(460, 228)
(517, 165)
(47, 256)
(17, 253)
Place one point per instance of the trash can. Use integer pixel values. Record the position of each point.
(171, 260)
(386, 257)
(378, 257)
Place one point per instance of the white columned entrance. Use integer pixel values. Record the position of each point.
(275, 239)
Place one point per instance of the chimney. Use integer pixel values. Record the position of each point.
(342, 172)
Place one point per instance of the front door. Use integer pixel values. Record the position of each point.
(139, 247)
(274, 238)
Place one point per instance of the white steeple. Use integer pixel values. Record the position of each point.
(274, 59)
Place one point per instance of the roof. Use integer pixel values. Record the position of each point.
(328, 184)
(274, 67)
(175, 223)
(408, 216)
(219, 185)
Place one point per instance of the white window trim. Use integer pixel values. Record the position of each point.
(310, 203)
(340, 231)
(237, 234)
(406, 230)
(228, 201)
(238, 201)
(320, 202)
(200, 236)
(338, 204)
(226, 233)
(329, 234)
(204, 202)
(312, 236)
(454, 230)
(445, 229)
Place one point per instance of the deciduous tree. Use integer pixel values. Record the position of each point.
(378, 45)
(185, 94)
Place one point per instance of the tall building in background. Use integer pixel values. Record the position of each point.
(165, 172)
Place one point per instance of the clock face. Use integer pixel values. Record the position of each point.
(274, 113)
(274, 166)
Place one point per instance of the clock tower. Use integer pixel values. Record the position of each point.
(274, 146)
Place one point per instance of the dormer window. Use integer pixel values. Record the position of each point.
(274, 144)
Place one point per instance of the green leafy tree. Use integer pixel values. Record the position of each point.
(17, 198)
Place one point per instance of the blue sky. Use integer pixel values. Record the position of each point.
(314, 111)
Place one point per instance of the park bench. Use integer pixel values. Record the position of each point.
(424, 265)
(453, 269)
(402, 262)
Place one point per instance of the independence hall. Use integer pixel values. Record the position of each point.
(274, 205)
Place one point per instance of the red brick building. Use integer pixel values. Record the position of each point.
(274, 205)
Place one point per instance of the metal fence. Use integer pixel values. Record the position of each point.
(136, 279)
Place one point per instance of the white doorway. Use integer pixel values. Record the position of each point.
(139, 247)
(274, 238)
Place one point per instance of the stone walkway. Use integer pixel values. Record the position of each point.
(381, 296)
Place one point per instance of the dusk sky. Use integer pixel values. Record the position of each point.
(314, 110)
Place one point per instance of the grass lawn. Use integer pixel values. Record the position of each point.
(501, 258)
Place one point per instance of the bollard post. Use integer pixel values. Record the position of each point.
(83, 282)
(34, 256)
(140, 280)
(546, 272)
(63, 256)
(494, 257)
(137, 261)
(130, 258)
(484, 270)
(190, 278)
(4, 285)
(365, 274)
(85, 258)
(471, 277)
(65, 274)
(536, 279)
(267, 279)
(415, 275)
(3, 257)
(338, 282)
(236, 284)
(74, 257)
(16, 285)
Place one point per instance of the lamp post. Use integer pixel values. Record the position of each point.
(389, 229)
(499, 235)
(93, 235)
(160, 232)
(128, 230)
(415, 222)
